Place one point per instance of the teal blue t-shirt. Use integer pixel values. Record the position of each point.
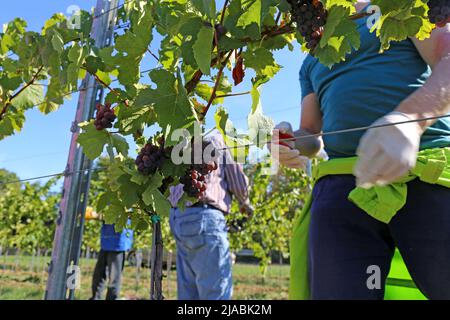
(365, 87)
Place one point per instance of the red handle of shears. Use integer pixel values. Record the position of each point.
(285, 136)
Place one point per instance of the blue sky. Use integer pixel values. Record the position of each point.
(42, 146)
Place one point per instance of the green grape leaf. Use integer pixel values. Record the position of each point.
(262, 61)
(238, 143)
(170, 102)
(160, 203)
(92, 140)
(341, 36)
(252, 13)
(128, 191)
(203, 49)
(48, 106)
(102, 202)
(400, 20)
(206, 7)
(58, 42)
(119, 143)
(30, 97)
(260, 126)
(154, 183)
(12, 122)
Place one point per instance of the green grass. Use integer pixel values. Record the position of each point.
(19, 282)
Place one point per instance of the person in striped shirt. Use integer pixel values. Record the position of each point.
(200, 231)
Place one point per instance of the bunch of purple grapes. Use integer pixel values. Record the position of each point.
(150, 158)
(439, 13)
(194, 181)
(105, 117)
(310, 16)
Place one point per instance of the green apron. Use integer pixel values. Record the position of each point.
(382, 203)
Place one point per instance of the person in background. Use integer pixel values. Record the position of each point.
(200, 231)
(110, 262)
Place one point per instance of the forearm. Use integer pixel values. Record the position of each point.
(433, 99)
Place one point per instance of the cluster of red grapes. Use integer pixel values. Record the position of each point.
(105, 117)
(150, 158)
(310, 16)
(194, 181)
(439, 12)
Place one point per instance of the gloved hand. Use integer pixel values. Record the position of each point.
(283, 151)
(388, 153)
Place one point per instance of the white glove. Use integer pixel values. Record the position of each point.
(283, 151)
(388, 153)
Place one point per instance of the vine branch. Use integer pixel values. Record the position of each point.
(225, 5)
(232, 95)
(107, 86)
(11, 98)
(216, 86)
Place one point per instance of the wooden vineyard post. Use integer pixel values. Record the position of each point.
(157, 262)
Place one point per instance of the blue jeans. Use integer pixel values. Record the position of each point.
(344, 241)
(203, 254)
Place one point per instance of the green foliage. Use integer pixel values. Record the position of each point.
(39, 69)
(98, 194)
(277, 199)
(27, 214)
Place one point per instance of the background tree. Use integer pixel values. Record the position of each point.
(277, 199)
(27, 214)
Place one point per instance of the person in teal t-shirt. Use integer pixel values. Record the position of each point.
(365, 88)
(410, 81)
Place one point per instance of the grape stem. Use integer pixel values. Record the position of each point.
(107, 86)
(11, 98)
(225, 5)
(232, 95)
(216, 86)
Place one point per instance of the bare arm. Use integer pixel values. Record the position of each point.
(433, 99)
(311, 123)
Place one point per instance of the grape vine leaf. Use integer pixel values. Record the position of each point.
(92, 140)
(12, 122)
(262, 61)
(153, 197)
(397, 22)
(252, 13)
(203, 49)
(206, 7)
(238, 143)
(341, 36)
(30, 97)
(119, 143)
(129, 191)
(260, 126)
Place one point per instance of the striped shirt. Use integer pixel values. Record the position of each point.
(222, 184)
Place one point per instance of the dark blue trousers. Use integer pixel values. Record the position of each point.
(345, 241)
